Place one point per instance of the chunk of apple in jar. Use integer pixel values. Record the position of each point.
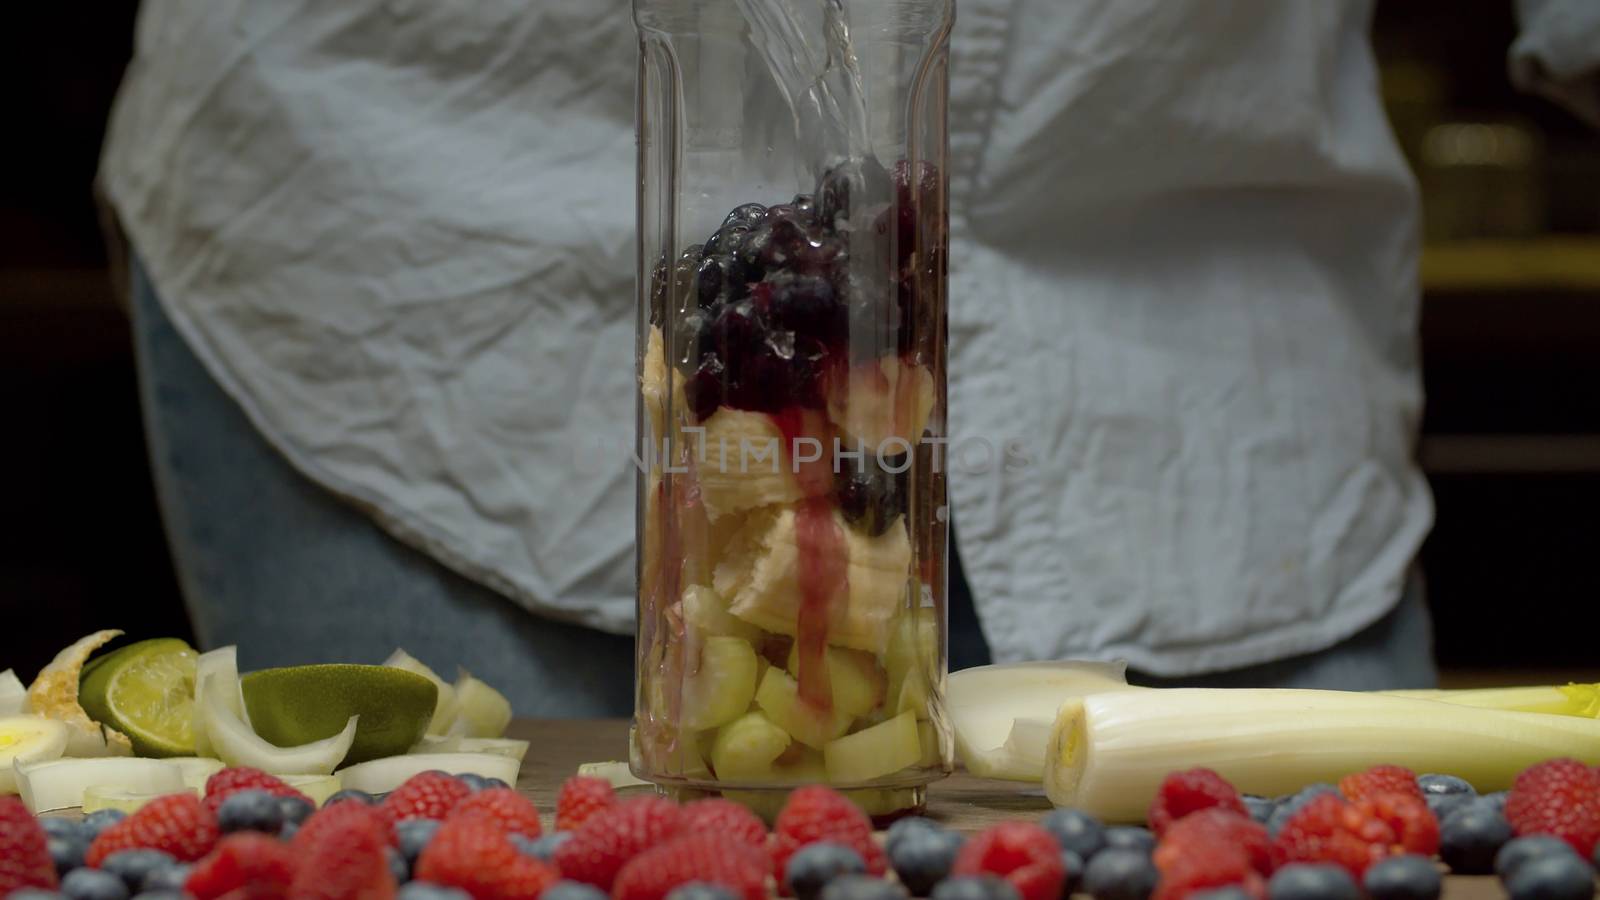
(779, 698)
(875, 752)
(721, 688)
(859, 686)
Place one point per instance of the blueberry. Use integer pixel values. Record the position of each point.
(1072, 866)
(1498, 798)
(1231, 892)
(1312, 881)
(703, 389)
(709, 280)
(1470, 837)
(161, 895)
(1407, 877)
(413, 835)
(854, 187)
(134, 866)
(1131, 837)
(701, 890)
(56, 827)
(172, 878)
(922, 856)
(1444, 784)
(398, 866)
(1260, 808)
(423, 890)
(100, 820)
(804, 205)
(1293, 803)
(1520, 850)
(93, 884)
(1120, 875)
(748, 214)
(870, 496)
(811, 867)
(573, 890)
(1076, 830)
(904, 827)
(67, 852)
(726, 239)
(250, 811)
(861, 887)
(349, 794)
(541, 848)
(1442, 805)
(809, 305)
(1560, 876)
(974, 887)
(289, 830)
(473, 781)
(295, 810)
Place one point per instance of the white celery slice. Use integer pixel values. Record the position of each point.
(60, 783)
(618, 773)
(221, 664)
(237, 745)
(28, 739)
(380, 776)
(433, 743)
(196, 769)
(481, 711)
(317, 787)
(1559, 699)
(1109, 752)
(13, 695)
(444, 707)
(101, 796)
(984, 702)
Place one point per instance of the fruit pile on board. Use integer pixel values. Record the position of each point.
(788, 379)
(152, 718)
(1382, 834)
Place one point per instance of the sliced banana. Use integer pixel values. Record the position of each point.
(61, 783)
(760, 571)
(883, 407)
(13, 696)
(28, 739)
(745, 465)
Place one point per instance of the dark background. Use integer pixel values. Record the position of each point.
(1511, 340)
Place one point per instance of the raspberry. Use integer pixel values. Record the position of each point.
(228, 782)
(1559, 797)
(817, 813)
(1332, 831)
(249, 860)
(600, 847)
(426, 795)
(515, 813)
(1212, 866)
(176, 824)
(727, 818)
(1198, 833)
(580, 798)
(1380, 780)
(348, 862)
(1182, 793)
(24, 852)
(704, 856)
(1408, 816)
(1022, 853)
(476, 855)
(337, 816)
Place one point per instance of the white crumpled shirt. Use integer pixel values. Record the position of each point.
(400, 234)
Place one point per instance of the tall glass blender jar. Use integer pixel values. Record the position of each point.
(791, 362)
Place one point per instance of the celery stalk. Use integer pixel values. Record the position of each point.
(1110, 751)
(1559, 699)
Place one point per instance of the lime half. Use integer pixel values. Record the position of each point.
(146, 691)
(299, 705)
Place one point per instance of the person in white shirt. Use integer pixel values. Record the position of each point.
(383, 281)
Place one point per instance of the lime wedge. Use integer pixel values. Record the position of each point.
(302, 704)
(146, 691)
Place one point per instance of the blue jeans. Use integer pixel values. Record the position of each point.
(292, 574)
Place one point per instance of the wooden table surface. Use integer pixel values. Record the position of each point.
(961, 801)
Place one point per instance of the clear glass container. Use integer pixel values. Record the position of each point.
(791, 351)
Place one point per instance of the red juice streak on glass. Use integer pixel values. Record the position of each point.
(822, 565)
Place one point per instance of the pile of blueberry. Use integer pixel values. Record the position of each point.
(757, 314)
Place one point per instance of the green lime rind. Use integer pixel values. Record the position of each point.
(95, 696)
(300, 704)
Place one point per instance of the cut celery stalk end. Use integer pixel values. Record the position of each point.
(60, 783)
(444, 706)
(984, 702)
(874, 752)
(380, 776)
(1109, 752)
(237, 745)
